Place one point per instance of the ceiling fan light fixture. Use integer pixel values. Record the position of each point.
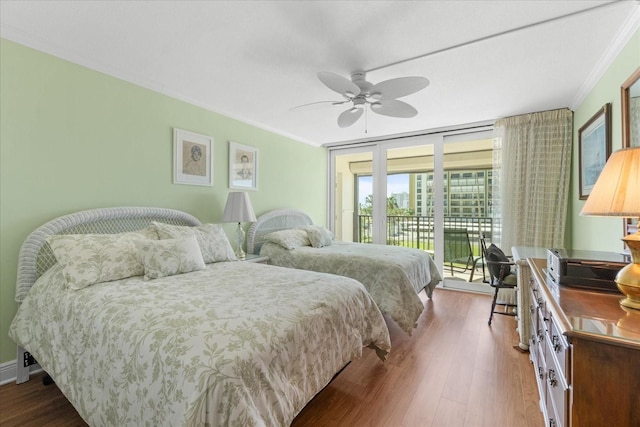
(359, 103)
(380, 97)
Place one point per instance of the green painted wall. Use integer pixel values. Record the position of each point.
(72, 139)
(590, 232)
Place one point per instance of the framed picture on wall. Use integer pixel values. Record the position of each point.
(594, 148)
(192, 158)
(630, 100)
(630, 103)
(243, 167)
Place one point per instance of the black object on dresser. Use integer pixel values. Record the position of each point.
(585, 269)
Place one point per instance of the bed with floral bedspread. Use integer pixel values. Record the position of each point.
(230, 343)
(393, 275)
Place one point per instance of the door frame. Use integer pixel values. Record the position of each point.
(379, 151)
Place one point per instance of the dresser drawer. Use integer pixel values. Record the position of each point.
(557, 399)
(541, 328)
(533, 315)
(541, 371)
(559, 367)
(535, 292)
(557, 384)
(558, 349)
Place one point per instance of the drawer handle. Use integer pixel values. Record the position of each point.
(540, 300)
(556, 343)
(552, 378)
(540, 372)
(552, 423)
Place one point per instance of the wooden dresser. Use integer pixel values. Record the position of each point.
(585, 351)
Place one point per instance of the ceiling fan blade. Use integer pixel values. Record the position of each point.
(349, 117)
(319, 104)
(397, 88)
(393, 108)
(339, 84)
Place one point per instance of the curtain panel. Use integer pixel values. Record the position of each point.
(532, 171)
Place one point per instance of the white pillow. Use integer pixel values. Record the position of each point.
(212, 239)
(170, 256)
(318, 235)
(88, 259)
(289, 239)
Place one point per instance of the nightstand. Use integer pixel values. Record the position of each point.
(261, 259)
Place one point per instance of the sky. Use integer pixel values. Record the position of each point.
(397, 183)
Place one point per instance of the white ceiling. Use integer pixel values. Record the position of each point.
(254, 60)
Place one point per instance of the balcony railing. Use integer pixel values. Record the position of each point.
(417, 231)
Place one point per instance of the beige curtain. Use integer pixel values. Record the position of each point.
(532, 170)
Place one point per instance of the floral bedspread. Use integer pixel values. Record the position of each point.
(393, 275)
(235, 344)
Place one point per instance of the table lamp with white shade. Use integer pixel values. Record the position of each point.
(238, 209)
(617, 193)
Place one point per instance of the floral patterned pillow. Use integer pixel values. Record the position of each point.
(289, 239)
(213, 241)
(167, 257)
(88, 259)
(318, 235)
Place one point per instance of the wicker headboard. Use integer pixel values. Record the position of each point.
(36, 256)
(279, 219)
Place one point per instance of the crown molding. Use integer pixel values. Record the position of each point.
(627, 30)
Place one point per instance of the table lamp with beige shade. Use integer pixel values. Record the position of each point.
(238, 209)
(617, 193)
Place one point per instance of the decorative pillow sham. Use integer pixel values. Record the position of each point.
(88, 259)
(168, 257)
(213, 241)
(289, 239)
(318, 235)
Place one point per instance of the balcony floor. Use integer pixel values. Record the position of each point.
(464, 276)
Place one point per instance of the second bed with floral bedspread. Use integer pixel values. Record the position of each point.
(392, 275)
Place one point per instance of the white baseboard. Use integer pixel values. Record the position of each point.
(8, 371)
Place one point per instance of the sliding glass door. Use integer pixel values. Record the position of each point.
(417, 192)
(467, 216)
(352, 185)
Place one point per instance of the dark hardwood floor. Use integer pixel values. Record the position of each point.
(453, 371)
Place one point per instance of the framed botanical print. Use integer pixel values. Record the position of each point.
(594, 146)
(192, 158)
(243, 167)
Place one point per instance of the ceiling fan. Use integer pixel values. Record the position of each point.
(381, 97)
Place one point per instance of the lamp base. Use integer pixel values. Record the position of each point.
(628, 279)
(629, 324)
(239, 241)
